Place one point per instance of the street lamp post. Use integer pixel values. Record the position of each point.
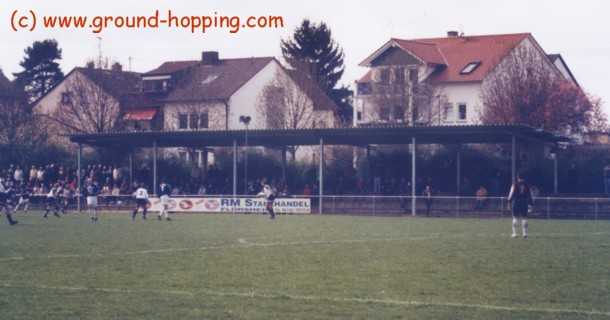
(246, 121)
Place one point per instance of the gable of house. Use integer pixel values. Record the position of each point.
(395, 56)
(450, 55)
(561, 65)
(5, 85)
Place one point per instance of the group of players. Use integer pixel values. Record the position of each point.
(58, 199)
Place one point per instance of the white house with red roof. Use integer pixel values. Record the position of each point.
(213, 93)
(455, 67)
(205, 94)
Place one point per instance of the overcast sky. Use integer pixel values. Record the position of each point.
(579, 30)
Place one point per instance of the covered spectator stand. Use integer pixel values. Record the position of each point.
(356, 136)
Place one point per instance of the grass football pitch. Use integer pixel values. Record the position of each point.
(301, 267)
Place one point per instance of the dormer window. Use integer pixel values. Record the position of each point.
(209, 79)
(470, 67)
(156, 84)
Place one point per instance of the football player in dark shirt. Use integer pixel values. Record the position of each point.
(5, 201)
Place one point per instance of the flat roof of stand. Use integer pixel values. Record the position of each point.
(394, 134)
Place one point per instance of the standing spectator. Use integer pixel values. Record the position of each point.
(11, 172)
(428, 198)
(405, 190)
(116, 192)
(202, 190)
(116, 174)
(18, 175)
(481, 198)
(61, 174)
(360, 185)
(40, 174)
(66, 198)
(33, 174)
(307, 190)
(377, 185)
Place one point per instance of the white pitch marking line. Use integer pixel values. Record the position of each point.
(243, 243)
(253, 294)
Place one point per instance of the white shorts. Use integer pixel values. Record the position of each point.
(92, 201)
(165, 200)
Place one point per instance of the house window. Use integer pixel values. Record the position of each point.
(359, 116)
(183, 121)
(194, 121)
(399, 75)
(384, 113)
(399, 113)
(448, 112)
(364, 88)
(66, 97)
(413, 75)
(384, 75)
(462, 111)
(415, 114)
(204, 120)
(470, 67)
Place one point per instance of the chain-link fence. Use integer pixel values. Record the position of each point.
(446, 206)
(436, 206)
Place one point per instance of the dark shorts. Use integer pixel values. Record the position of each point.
(520, 211)
(269, 204)
(141, 203)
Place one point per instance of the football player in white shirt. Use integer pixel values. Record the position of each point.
(52, 201)
(269, 194)
(141, 196)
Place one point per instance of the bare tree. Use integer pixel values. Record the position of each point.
(398, 96)
(85, 107)
(286, 104)
(526, 89)
(18, 125)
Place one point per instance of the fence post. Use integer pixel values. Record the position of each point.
(584, 214)
(548, 207)
(374, 197)
(502, 207)
(334, 206)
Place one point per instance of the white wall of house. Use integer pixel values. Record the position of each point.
(50, 102)
(449, 96)
(215, 111)
(454, 95)
(244, 101)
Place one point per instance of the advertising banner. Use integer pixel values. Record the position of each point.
(230, 204)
